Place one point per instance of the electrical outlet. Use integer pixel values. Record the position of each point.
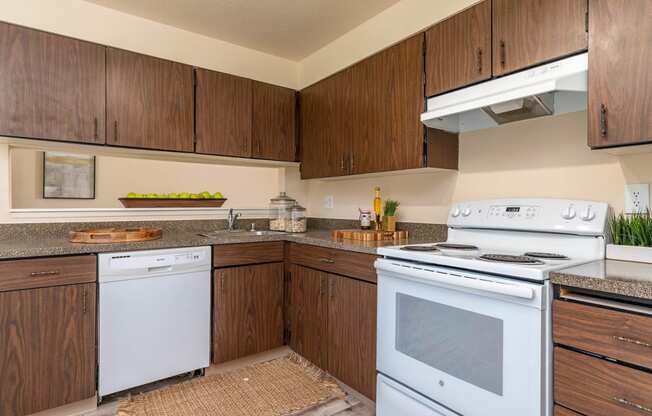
(637, 198)
(329, 201)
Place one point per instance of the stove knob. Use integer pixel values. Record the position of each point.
(568, 213)
(587, 214)
(455, 212)
(466, 212)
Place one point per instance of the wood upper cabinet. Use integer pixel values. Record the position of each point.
(47, 348)
(248, 310)
(308, 314)
(274, 122)
(326, 127)
(149, 102)
(224, 114)
(458, 50)
(529, 32)
(52, 87)
(620, 80)
(365, 119)
(387, 100)
(352, 333)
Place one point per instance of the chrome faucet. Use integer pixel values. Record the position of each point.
(231, 218)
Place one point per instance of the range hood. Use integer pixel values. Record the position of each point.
(554, 88)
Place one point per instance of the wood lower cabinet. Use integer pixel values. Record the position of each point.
(352, 333)
(620, 80)
(224, 114)
(529, 32)
(247, 311)
(274, 125)
(149, 102)
(51, 87)
(308, 314)
(47, 348)
(332, 322)
(562, 411)
(458, 50)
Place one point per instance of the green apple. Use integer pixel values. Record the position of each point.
(205, 195)
(133, 195)
(218, 195)
(184, 195)
(173, 195)
(151, 196)
(195, 196)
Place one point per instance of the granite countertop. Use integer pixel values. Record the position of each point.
(53, 246)
(616, 277)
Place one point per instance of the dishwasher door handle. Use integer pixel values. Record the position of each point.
(158, 269)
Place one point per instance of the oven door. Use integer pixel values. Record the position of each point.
(475, 343)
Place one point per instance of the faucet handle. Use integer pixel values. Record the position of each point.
(253, 227)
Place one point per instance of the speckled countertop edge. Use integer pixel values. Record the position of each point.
(56, 246)
(621, 278)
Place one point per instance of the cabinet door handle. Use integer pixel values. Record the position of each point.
(633, 341)
(479, 56)
(603, 120)
(503, 53)
(115, 131)
(631, 404)
(96, 134)
(222, 282)
(45, 273)
(84, 301)
(331, 287)
(325, 260)
(351, 164)
(342, 163)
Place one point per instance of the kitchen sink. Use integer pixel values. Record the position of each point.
(220, 233)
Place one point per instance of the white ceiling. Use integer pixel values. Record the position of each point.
(292, 29)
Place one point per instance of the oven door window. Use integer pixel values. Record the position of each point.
(463, 344)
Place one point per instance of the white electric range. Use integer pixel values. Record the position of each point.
(464, 326)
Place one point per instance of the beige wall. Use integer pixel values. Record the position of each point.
(547, 157)
(245, 187)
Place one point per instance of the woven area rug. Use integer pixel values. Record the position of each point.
(284, 386)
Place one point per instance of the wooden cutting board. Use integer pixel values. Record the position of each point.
(369, 235)
(115, 235)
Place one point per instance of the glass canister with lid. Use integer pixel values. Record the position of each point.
(298, 222)
(279, 211)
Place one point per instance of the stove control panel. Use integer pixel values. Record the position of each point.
(544, 215)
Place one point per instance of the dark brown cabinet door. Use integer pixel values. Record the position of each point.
(308, 315)
(529, 32)
(620, 80)
(248, 310)
(47, 348)
(458, 50)
(224, 111)
(326, 127)
(274, 122)
(52, 87)
(387, 100)
(352, 333)
(149, 102)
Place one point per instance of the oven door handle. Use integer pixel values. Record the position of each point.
(513, 290)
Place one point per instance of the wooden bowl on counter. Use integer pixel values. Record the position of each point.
(115, 235)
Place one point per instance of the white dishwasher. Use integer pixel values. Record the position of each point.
(154, 316)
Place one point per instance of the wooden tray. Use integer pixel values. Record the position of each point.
(369, 235)
(115, 235)
(171, 203)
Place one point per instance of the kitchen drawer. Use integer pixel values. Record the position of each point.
(347, 263)
(621, 335)
(562, 411)
(47, 271)
(597, 387)
(247, 253)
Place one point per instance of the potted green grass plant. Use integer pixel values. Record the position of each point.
(631, 237)
(389, 215)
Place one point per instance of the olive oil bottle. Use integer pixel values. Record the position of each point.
(378, 203)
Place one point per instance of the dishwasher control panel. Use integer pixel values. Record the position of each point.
(142, 263)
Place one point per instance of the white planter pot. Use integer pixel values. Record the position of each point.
(629, 253)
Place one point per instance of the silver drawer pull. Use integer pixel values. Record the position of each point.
(330, 261)
(46, 273)
(631, 404)
(633, 341)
